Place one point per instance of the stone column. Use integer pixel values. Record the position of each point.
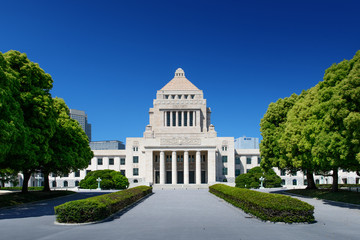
(174, 168)
(198, 168)
(188, 117)
(182, 118)
(177, 118)
(162, 167)
(211, 166)
(171, 121)
(186, 167)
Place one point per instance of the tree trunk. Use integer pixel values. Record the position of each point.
(26, 181)
(46, 183)
(335, 185)
(310, 180)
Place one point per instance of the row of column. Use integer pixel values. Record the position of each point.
(186, 168)
(180, 118)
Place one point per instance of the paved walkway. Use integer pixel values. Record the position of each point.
(179, 214)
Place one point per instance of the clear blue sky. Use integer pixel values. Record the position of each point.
(109, 58)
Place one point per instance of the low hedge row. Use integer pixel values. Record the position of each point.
(99, 207)
(266, 206)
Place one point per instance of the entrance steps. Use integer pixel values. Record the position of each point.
(179, 186)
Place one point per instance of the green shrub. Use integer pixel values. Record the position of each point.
(266, 206)
(99, 207)
(251, 179)
(110, 179)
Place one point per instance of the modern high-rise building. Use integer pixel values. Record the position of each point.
(247, 143)
(81, 117)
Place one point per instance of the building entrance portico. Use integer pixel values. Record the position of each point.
(180, 166)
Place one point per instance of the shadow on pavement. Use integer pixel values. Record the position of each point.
(325, 202)
(42, 208)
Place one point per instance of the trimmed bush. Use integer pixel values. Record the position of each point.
(110, 179)
(99, 207)
(266, 206)
(251, 179)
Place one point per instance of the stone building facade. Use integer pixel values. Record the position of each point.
(179, 147)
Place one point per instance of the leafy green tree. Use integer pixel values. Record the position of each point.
(251, 179)
(110, 179)
(12, 131)
(69, 146)
(39, 119)
(279, 147)
(337, 118)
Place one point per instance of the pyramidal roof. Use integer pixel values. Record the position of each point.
(179, 82)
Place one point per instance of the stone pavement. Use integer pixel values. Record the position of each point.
(180, 214)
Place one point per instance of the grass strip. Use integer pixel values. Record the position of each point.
(266, 206)
(326, 194)
(100, 207)
(16, 198)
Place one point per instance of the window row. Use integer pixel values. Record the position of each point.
(180, 158)
(179, 96)
(100, 161)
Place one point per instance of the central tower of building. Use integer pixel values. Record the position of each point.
(180, 145)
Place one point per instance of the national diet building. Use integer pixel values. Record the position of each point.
(179, 145)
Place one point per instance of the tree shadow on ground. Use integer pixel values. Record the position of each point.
(324, 201)
(42, 208)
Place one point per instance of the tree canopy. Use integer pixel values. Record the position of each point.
(110, 179)
(320, 131)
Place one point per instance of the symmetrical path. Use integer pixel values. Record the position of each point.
(179, 214)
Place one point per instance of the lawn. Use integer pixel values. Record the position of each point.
(341, 196)
(17, 198)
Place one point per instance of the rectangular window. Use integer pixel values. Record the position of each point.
(99, 161)
(179, 96)
(224, 148)
(248, 160)
(259, 160)
(185, 96)
(90, 162)
(179, 118)
(191, 113)
(166, 96)
(237, 160)
(135, 159)
(282, 172)
(180, 158)
(65, 175)
(192, 96)
(135, 171)
(77, 174)
(237, 172)
(156, 158)
(111, 161)
(185, 118)
(174, 119)
(122, 172)
(293, 172)
(283, 182)
(224, 159)
(192, 158)
(122, 161)
(168, 119)
(225, 171)
(203, 158)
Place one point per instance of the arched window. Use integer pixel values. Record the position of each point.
(135, 181)
(294, 182)
(53, 183)
(66, 183)
(317, 181)
(76, 183)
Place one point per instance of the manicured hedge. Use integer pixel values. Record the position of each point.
(266, 206)
(20, 188)
(99, 207)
